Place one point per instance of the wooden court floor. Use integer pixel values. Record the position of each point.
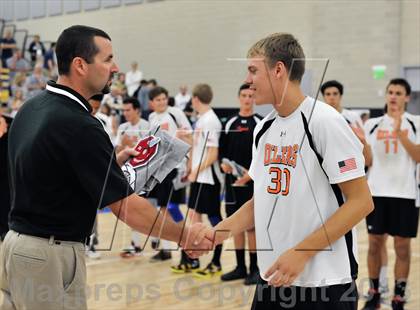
(136, 283)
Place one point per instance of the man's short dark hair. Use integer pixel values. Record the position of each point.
(77, 41)
(332, 83)
(401, 82)
(133, 101)
(203, 92)
(97, 97)
(157, 91)
(243, 86)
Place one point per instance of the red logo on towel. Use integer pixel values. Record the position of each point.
(147, 147)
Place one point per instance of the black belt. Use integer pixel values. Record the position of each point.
(56, 238)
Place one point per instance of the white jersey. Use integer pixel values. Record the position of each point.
(392, 173)
(207, 125)
(172, 120)
(295, 192)
(135, 132)
(352, 118)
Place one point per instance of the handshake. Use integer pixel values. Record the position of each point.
(199, 239)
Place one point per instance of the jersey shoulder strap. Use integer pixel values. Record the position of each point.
(380, 119)
(263, 130)
(174, 119)
(412, 125)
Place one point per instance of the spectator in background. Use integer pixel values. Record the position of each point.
(132, 79)
(143, 98)
(4, 84)
(17, 102)
(136, 92)
(50, 62)
(7, 44)
(120, 84)
(17, 63)
(19, 83)
(36, 82)
(114, 100)
(36, 49)
(182, 97)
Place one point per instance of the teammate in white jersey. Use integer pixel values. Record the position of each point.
(392, 181)
(205, 176)
(332, 91)
(174, 121)
(305, 158)
(128, 134)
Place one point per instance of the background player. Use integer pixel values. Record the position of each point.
(393, 185)
(236, 144)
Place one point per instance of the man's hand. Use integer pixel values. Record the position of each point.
(287, 267)
(126, 140)
(196, 242)
(226, 168)
(125, 154)
(397, 122)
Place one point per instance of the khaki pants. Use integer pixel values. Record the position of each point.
(41, 274)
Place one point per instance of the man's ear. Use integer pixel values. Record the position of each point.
(280, 70)
(79, 66)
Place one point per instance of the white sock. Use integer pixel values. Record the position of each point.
(383, 276)
(136, 238)
(165, 244)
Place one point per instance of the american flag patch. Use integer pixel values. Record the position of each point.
(347, 165)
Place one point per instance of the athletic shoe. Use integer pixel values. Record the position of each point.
(209, 272)
(235, 274)
(185, 267)
(398, 303)
(132, 251)
(252, 278)
(373, 301)
(92, 254)
(161, 256)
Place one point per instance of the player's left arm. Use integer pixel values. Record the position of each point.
(209, 158)
(357, 206)
(412, 149)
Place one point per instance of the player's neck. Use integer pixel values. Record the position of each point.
(340, 109)
(246, 112)
(135, 121)
(203, 108)
(290, 101)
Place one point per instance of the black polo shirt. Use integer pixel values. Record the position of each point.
(62, 166)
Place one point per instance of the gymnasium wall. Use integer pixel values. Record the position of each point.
(180, 41)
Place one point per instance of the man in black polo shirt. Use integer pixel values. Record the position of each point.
(62, 168)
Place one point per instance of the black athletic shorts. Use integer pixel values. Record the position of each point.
(333, 297)
(236, 196)
(393, 216)
(205, 198)
(164, 192)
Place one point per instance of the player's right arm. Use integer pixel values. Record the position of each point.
(242, 220)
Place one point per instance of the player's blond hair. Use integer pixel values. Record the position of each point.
(282, 47)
